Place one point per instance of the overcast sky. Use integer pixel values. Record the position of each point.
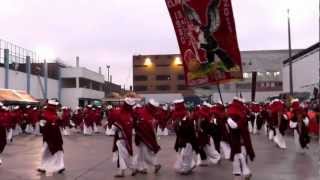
(111, 31)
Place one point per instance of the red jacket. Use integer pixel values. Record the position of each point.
(144, 127)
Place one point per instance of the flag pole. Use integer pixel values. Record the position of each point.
(290, 55)
(219, 90)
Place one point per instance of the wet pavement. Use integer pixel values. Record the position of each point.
(90, 158)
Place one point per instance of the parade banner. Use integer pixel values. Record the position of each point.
(207, 39)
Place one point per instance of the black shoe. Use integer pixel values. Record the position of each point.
(157, 168)
(61, 171)
(41, 171)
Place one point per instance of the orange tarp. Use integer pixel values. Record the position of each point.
(9, 95)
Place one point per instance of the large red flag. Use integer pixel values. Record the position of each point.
(207, 39)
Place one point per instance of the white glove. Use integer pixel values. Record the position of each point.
(232, 124)
(293, 124)
(72, 123)
(306, 121)
(42, 123)
(215, 121)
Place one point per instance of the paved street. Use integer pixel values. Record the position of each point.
(90, 158)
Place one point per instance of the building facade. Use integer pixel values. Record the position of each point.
(21, 69)
(163, 74)
(305, 70)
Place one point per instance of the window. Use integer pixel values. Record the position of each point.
(181, 77)
(163, 77)
(181, 87)
(163, 87)
(140, 88)
(140, 78)
(84, 83)
(96, 86)
(68, 83)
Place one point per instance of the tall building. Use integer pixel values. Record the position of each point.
(163, 74)
(305, 70)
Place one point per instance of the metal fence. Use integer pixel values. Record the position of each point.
(17, 56)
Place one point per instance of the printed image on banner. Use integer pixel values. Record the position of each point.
(207, 39)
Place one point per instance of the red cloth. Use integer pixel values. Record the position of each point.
(313, 124)
(34, 116)
(51, 132)
(5, 119)
(122, 118)
(163, 118)
(144, 127)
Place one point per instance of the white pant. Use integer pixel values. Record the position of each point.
(225, 150)
(279, 140)
(239, 163)
(37, 129)
(163, 132)
(17, 130)
(87, 130)
(122, 156)
(66, 131)
(51, 163)
(9, 135)
(110, 131)
(185, 160)
(144, 157)
(29, 129)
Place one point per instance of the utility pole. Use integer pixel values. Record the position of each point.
(108, 79)
(290, 56)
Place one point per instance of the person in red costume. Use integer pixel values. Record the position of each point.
(3, 126)
(255, 123)
(77, 118)
(109, 130)
(163, 119)
(299, 123)
(220, 132)
(52, 159)
(145, 137)
(121, 119)
(35, 118)
(97, 119)
(88, 120)
(241, 146)
(204, 119)
(278, 123)
(186, 141)
(65, 121)
(16, 116)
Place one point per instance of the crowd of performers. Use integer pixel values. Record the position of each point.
(205, 134)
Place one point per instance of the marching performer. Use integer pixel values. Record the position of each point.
(221, 131)
(279, 123)
(88, 120)
(205, 131)
(35, 119)
(97, 119)
(16, 117)
(299, 122)
(255, 123)
(163, 118)
(65, 121)
(3, 133)
(77, 118)
(109, 130)
(241, 146)
(52, 159)
(145, 137)
(122, 120)
(186, 141)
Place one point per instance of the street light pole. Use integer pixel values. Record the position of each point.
(108, 79)
(290, 56)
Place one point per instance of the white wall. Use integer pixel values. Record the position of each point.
(81, 72)
(260, 96)
(18, 81)
(305, 73)
(70, 96)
